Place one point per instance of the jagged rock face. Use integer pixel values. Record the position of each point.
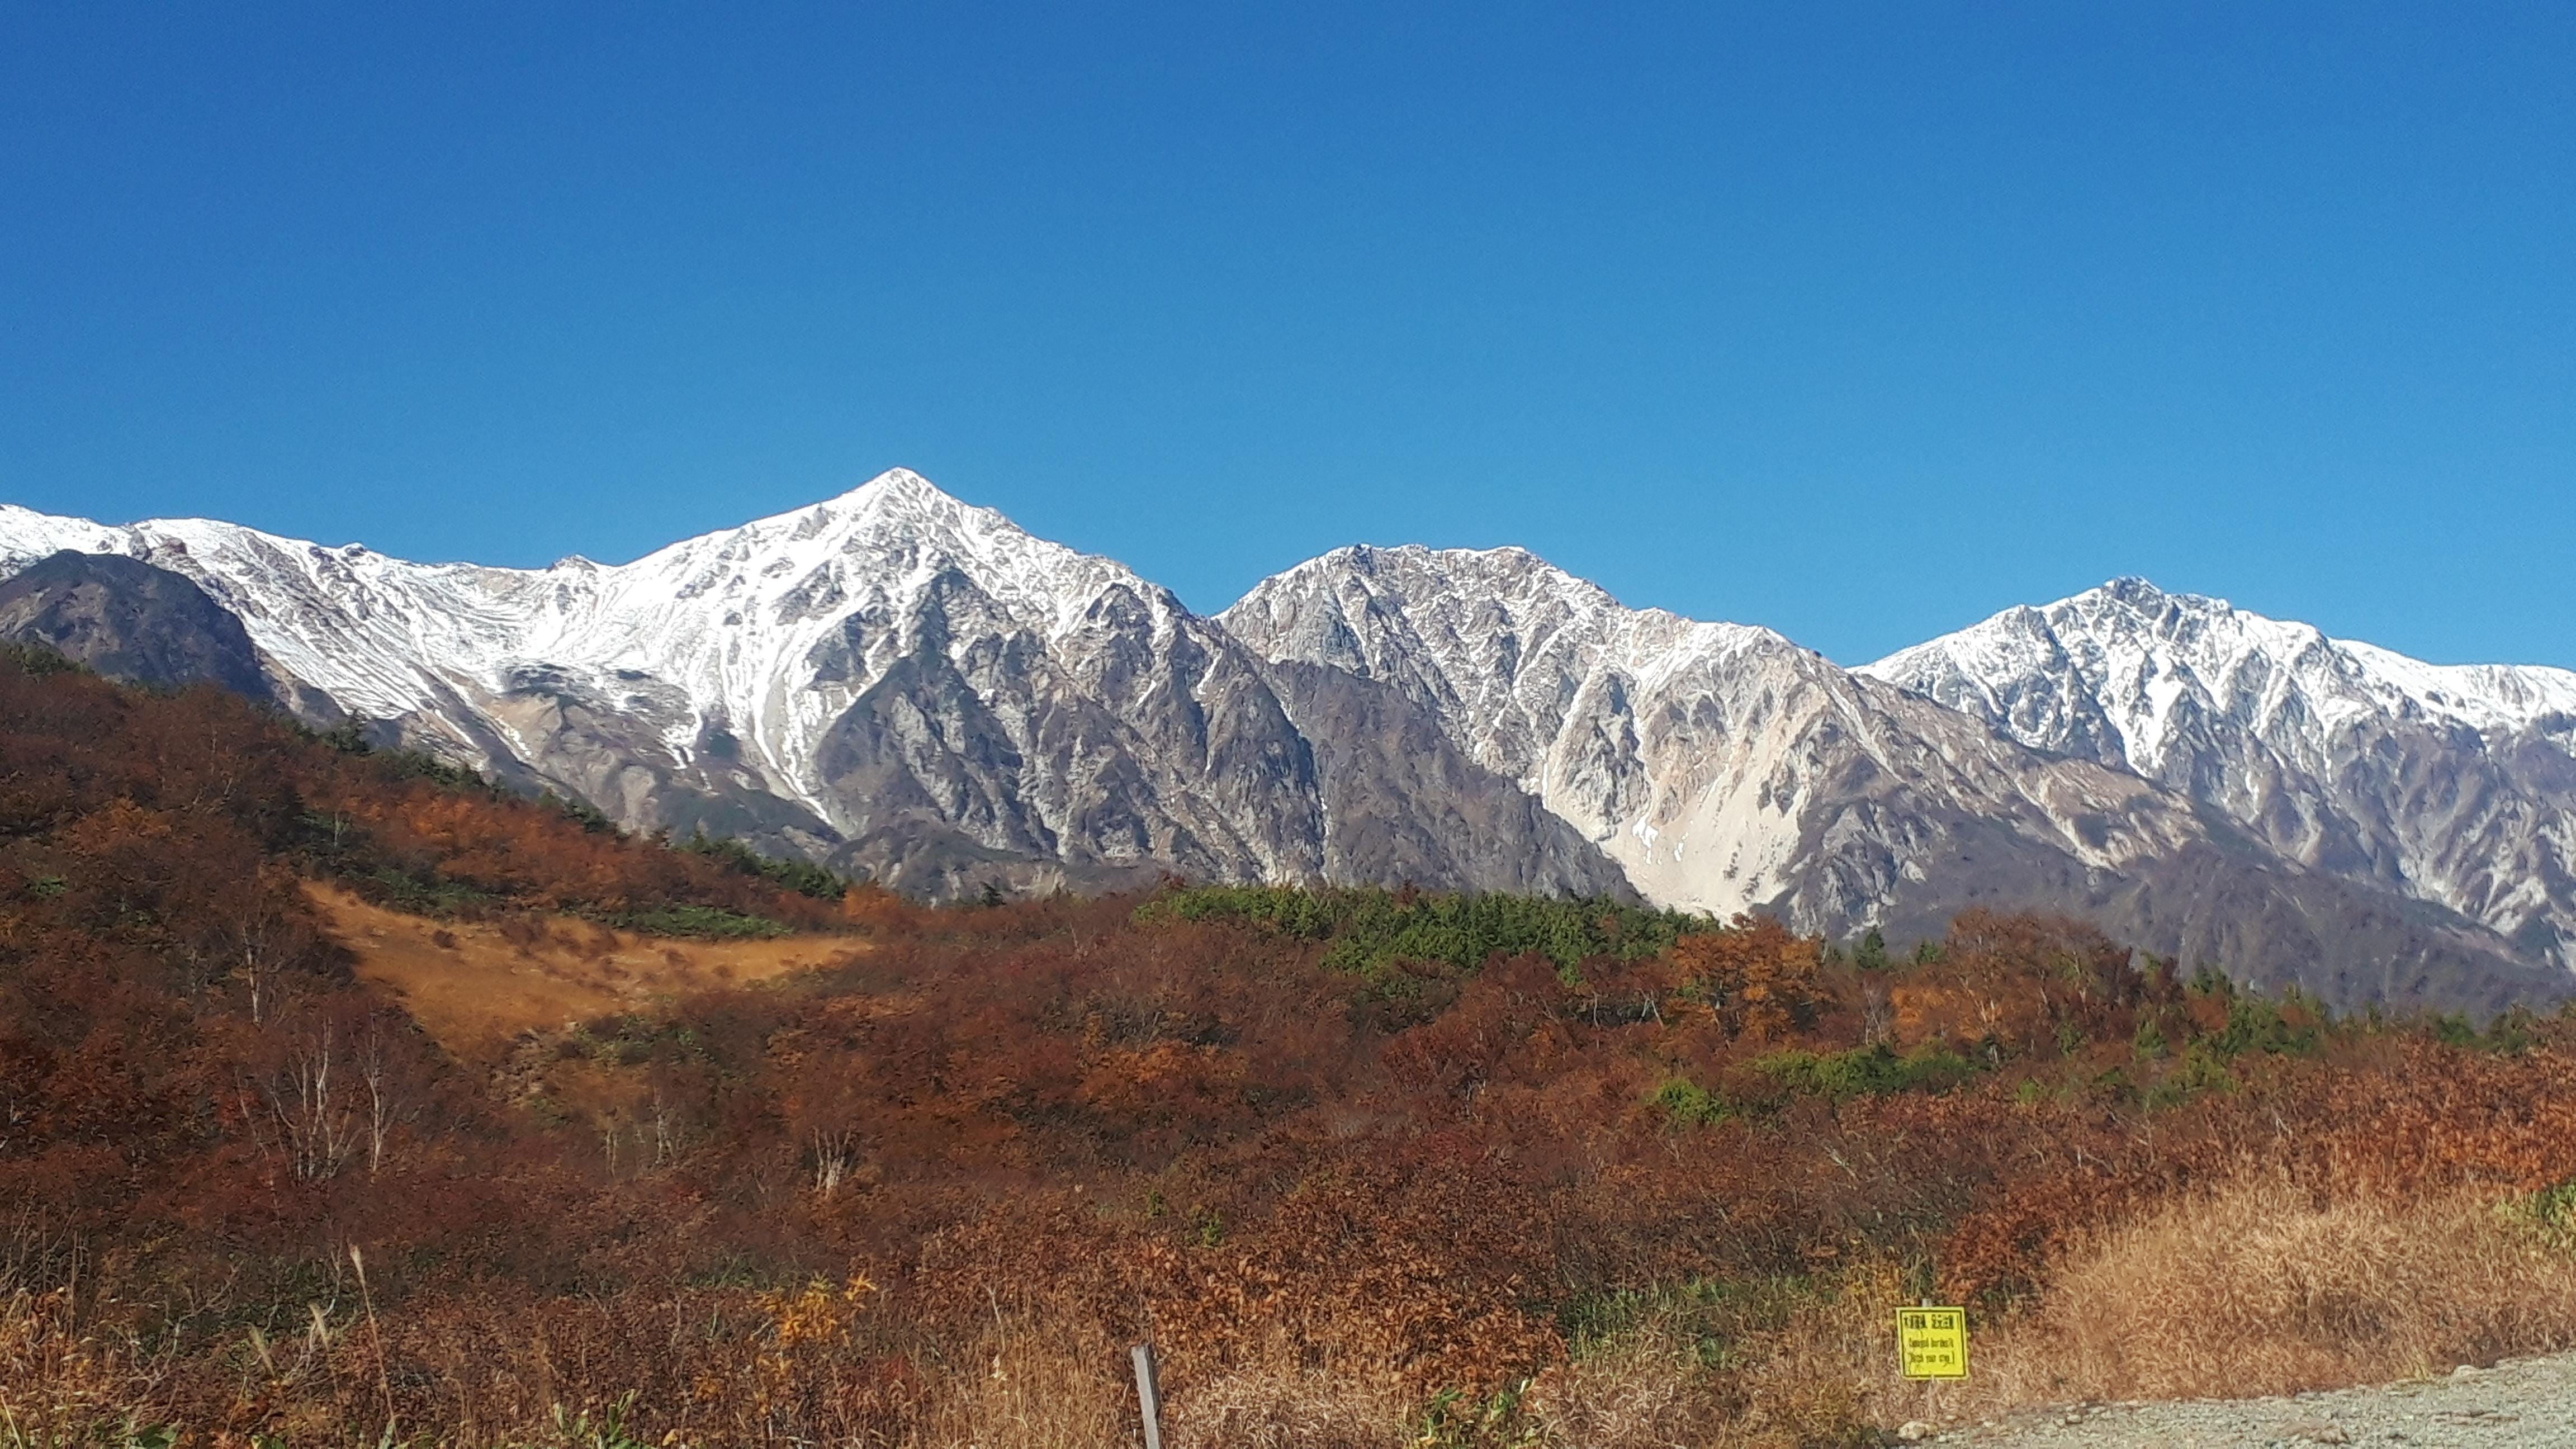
(890, 681)
(1724, 767)
(1128, 735)
(1727, 769)
(888, 674)
(2453, 785)
(1403, 803)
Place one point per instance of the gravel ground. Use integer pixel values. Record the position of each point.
(2519, 1402)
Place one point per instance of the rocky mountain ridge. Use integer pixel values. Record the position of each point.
(898, 683)
(891, 681)
(2453, 785)
(1728, 769)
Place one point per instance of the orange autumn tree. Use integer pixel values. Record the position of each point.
(1760, 981)
(2022, 983)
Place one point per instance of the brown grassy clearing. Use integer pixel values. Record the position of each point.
(477, 986)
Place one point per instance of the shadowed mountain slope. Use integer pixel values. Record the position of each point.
(128, 620)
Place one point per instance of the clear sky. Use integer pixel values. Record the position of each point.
(1857, 321)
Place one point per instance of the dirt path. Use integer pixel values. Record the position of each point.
(2520, 1402)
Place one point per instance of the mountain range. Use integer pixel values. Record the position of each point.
(900, 685)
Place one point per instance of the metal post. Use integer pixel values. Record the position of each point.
(1149, 1395)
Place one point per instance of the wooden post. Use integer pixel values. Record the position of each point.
(1149, 1395)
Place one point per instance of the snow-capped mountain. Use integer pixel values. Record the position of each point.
(1726, 769)
(898, 683)
(1690, 752)
(2450, 784)
(890, 680)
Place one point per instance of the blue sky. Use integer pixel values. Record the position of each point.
(1857, 321)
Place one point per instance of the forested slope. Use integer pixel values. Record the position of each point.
(1369, 1167)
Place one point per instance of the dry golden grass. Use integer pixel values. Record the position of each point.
(1283, 1408)
(2257, 1288)
(2280, 1292)
(56, 1382)
(1031, 1384)
(477, 986)
(1035, 1381)
(1644, 1391)
(2260, 1289)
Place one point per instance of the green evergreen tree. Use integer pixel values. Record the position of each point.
(1872, 955)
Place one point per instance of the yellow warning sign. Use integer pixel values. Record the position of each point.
(1932, 1343)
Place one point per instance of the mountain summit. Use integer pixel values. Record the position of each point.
(2450, 784)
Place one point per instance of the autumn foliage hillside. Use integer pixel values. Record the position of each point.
(1367, 1167)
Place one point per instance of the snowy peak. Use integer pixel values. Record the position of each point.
(2448, 783)
(1455, 622)
(888, 540)
(388, 636)
(2146, 664)
(1665, 740)
(762, 632)
(897, 505)
(891, 680)
(1507, 572)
